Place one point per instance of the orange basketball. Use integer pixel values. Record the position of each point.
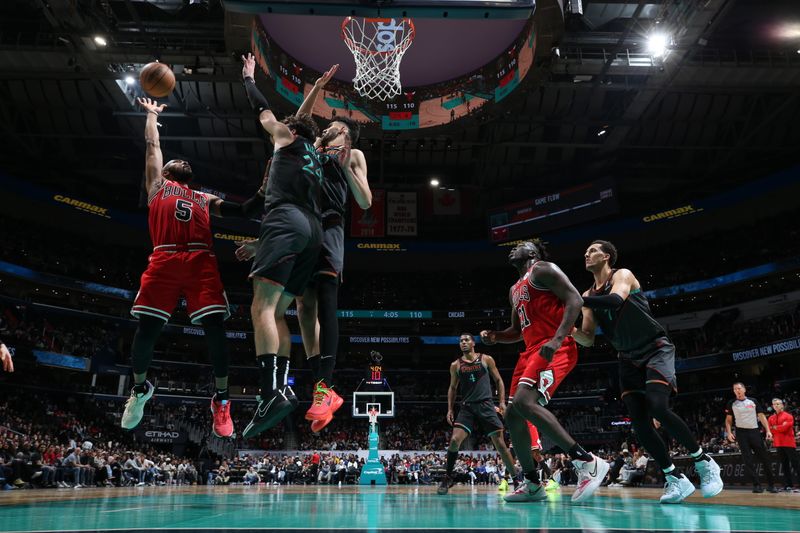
(157, 79)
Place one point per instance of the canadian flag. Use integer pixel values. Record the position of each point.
(446, 202)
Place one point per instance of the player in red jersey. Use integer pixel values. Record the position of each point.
(544, 308)
(182, 264)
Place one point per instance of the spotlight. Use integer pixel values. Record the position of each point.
(100, 41)
(601, 132)
(657, 44)
(130, 80)
(434, 182)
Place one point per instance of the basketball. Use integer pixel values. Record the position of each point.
(157, 79)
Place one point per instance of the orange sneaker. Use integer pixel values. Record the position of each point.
(326, 402)
(319, 425)
(222, 425)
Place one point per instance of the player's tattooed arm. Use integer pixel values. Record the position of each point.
(549, 275)
(585, 333)
(153, 159)
(308, 104)
(280, 133)
(452, 390)
(498, 381)
(510, 335)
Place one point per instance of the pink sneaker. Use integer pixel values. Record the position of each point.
(222, 425)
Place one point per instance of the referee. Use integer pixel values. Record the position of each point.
(748, 413)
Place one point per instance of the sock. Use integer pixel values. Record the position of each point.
(532, 476)
(577, 452)
(451, 461)
(700, 456)
(545, 469)
(222, 396)
(313, 362)
(326, 365)
(282, 365)
(671, 471)
(267, 374)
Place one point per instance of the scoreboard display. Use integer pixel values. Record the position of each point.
(553, 211)
(402, 113)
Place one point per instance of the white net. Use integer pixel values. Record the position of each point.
(373, 417)
(378, 46)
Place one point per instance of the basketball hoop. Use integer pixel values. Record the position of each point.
(378, 45)
(373, 417)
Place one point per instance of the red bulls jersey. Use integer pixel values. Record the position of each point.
(179, 216)
(539, 310)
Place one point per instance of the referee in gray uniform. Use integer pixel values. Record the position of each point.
(748, 413)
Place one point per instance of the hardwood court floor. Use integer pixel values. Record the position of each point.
(373, 508)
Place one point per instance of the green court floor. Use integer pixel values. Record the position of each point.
(368, 508)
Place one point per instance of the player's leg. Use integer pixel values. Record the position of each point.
(159, 291)
(309, 327)
(539, 382)
(531, 489)
(459, 434)
(660, 383)
(328, 297)
(499, 444)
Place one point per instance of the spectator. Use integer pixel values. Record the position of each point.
(782, 426)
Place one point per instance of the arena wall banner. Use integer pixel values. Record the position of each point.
(731, 466)
(369, 222)
(401, 214)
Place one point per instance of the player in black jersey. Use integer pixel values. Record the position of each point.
(345, 169)
(646, 367)
(289, 241)
(471, 373)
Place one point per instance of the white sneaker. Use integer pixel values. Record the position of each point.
(590, 475)
(677, 489)
(134, 407)
(710, 480)
(140, 484)
(527, 492)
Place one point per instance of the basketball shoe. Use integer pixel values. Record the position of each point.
(590, 475)
(676, 489)
(270, 411)
(503, 487)
(710, 480)
(222, 425)
(527, 492)
(445, 485)
(134, 407)
(326, 402)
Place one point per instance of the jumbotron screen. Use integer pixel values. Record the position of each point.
(550, 212)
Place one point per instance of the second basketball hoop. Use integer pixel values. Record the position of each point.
(378, 46)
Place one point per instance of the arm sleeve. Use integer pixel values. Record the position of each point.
(608, 301)
(247, 209)
(257, 100)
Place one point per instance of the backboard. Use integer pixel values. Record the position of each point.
(383, 402)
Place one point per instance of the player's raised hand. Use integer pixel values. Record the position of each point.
(246, 249)
(488, 337)
(450, 417)
(249, 67)
(151, 106)
(549, 349)
(326, 77)
(5, 358)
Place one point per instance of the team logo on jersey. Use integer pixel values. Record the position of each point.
(521, 293)
(546, 380)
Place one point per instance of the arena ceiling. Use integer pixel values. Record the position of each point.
(721, 107)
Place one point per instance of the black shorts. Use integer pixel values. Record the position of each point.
(482, 414)
(655, 363)
(331, 256)
(288, 248)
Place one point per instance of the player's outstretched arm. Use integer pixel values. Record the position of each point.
(153, 160)
(356, 172)
(452, 390)
(585, 333)
(5, 358)
(498, 381)
(549, 275)
(280, 133)
(308, 104)
(510, 335)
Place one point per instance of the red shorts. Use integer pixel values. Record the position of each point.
(537, 372)
(170, 275)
